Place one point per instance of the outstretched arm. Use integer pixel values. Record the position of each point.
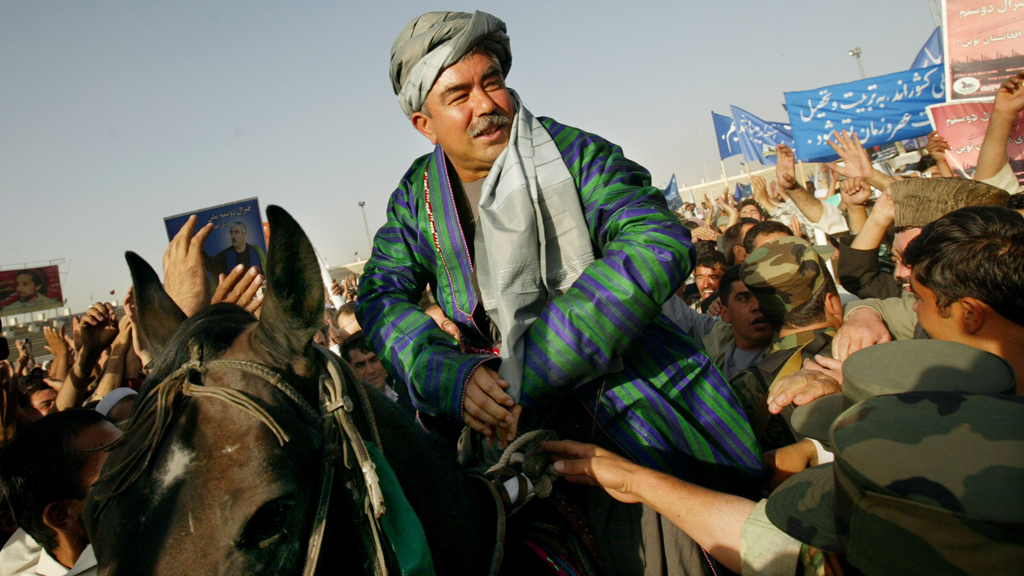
(1009, 102)
(713, 519)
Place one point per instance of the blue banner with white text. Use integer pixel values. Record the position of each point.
(758, 138)
(880, 110)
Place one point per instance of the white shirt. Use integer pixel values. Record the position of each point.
(22, 556)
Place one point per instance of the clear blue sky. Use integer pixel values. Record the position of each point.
(117, 114)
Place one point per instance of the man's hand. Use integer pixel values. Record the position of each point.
(799, 388)
(785, 167)
(486, 407)
(863, 327)
(936, 146)
(715, 308)
(794, 225)
(705, 233)
(854, 191)
(789, 460)
(99, 329)
(239, 287)
(443, 322)
(1010, 98)
(828, 366)
(759, 188)
(588, 464)
(57, 344)
(139, 341)
(184, 271)
(855, 158)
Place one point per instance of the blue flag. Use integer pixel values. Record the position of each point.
(725, 133)
(758, 138)
(743, 191)
(931, 52)
(880, 110)
(671, 192)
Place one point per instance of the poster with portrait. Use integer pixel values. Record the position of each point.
(237, 236)
(30, 290)
(984, 45)
(964, 125)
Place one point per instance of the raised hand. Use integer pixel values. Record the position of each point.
(240, 287)
(785, 167)
(705, 233)
(139, 341)
(759, 187)
(99, 328)
(854, 192)
(855, 158)
(184, 271)
(1010, 98)
(936, 145)
(57, 344)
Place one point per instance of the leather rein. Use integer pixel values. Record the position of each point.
(333, 417)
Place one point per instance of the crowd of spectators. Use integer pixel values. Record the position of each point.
(787, 290)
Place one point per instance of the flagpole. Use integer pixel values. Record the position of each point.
(725, 174)
(701, 148)
(803, 178)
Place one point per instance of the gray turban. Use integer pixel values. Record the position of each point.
(436, 40)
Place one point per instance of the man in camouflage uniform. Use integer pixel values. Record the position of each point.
(883, 507)
(798, 296)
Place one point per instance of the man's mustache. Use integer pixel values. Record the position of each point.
(487, 123)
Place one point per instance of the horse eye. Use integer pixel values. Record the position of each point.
(267, 525)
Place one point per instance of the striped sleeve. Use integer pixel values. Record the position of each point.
(408, 341)
(644, 255)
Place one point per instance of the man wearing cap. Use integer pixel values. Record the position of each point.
(553, 254)
(799, 299)
(883, 507)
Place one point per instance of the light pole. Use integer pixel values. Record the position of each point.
(860, 65)
(366, 223)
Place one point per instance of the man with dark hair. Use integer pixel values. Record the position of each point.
(968, 277)
(368, 368)
(732, 241)
(734, 342)
(46, 473)
(749, 208)
(30, 287)
(707, 275)
(762, 232)
(35, 398)
(798, 297)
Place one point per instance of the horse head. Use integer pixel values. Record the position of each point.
(213, 482)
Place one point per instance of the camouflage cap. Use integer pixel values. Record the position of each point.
(923, 483)
(906, 366)
(918, 202)
(783, 274)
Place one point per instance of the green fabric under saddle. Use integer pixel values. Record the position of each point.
(400, 524)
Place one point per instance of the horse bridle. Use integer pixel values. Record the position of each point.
(333, 416)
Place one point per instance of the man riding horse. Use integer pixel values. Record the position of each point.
(553, 254)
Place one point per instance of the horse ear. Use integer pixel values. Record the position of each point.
(293, 304)
(159, 316)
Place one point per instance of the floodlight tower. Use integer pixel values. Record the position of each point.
(366, 224)
(860, 65)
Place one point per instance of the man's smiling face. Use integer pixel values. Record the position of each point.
(469, 112)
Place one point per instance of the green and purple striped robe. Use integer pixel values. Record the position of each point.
(669, 408)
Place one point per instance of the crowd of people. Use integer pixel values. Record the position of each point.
(798, 385)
